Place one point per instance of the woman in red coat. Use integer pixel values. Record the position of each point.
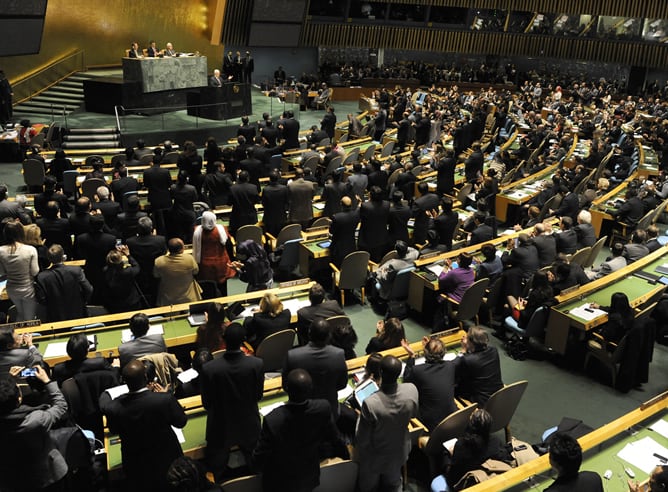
(210, 254)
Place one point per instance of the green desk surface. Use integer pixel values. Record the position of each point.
(529, 188)
(314, 248)
(604, 457)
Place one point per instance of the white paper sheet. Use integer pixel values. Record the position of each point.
(179, 434)
(117, 391)
(641, 454)
(587, 313)
(187, 375)
(295, 305)
(436, 269)
(344, 393)
(661, 428)
(56, 349)
(267, 409)
(126, 335)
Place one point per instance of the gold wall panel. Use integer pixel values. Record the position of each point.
(105, 29)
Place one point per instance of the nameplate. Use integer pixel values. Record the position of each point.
(315, 230)
(293, 283)
(22, 324)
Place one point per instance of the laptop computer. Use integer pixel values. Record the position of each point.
(365, 390)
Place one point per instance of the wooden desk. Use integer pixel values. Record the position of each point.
(602, 207)
(521, 191)
(310, 254)
(648, 162)
(638, 290)
(600, 449)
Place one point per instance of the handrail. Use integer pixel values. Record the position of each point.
(47, 76)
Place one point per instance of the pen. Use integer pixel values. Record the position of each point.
(657, 455)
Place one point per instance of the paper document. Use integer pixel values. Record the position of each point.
(436, 269)
(661, 428)
(344, 393)
(641, 454)
(266, 410)
(295, 305)
(126, 335)
(249, 311)
(179, 434)
(187, 375)
(56, 349)
(587, 313)
(117, 391)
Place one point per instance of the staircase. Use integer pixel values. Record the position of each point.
(91, 138)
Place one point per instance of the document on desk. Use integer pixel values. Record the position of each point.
(436, 269)
(295, 305)
(126, 335)
(55, 349)
(587, 313)
(642, 454)
(117, 391)
(187, 375)
(661, 428)
(344, 393)
(266, 410)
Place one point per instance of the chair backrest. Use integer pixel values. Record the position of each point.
(454, 425)
(595, 250)
(338, 477)
(646, 220)
(170, 157)
(538, 322)
(387, 149)
(146, 159)
(321, 222)
(70, 390)
(471, 300)
(494, 294)
(344, 138)
(401, 283)
(289, 232)
(354, 270)
(276, 161)
(464, 193)
(390, 255)
(290, 255)
(273, 349)
(580, 256)
(546, 207)
(368, 153)
(90, 158)
(246, 232)
(333, 165)
(502, 404)
(312, 163)
(120, 158)
(96, 310)
(217, 354)
(70, 181)
(351, 157)
(324, 141)
(33, 172)
(251, 483)
(89, 187)
(394, 176)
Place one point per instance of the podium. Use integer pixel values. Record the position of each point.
(232, 100)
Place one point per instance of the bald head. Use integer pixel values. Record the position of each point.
(299, 385)
(346, 202)
(390, 368)
(134, 375)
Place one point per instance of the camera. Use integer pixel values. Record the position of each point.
(29, 372)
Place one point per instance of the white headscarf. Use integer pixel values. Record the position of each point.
(208, 223)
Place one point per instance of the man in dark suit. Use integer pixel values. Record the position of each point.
(545, 243)
(135, 52)
(93, 247)
(231, 387)
(320, 308)
(478, 371)
(445, 177)
(246, 129)
(374, 216)
(145, 248)
(228, 65)
(422, 208)
(567, 238)
(570, 204)
(397, 221)
(55, 230)
(519, 264)
(292, 436)
(434, 380)
(566, 458)
(325, 363)
(243, 197)
(631, 210)
(270, 133)
(108, 208)
(143, 418)
(482, 232)
(80, 219)
(328, 122)
(141, 343)
(275, 204)
(342, 231)
(248, 68)
(445, 224)
(253, 166)
(474, 164)
(152, 50)
(300, 196)
(63, 289)
(122, 185)
(158, 181)
(126, 222)
(289, 128)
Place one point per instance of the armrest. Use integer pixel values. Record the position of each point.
(271, 237)
(449, 299)
(234, 241)
(334, 267)
(373, 266)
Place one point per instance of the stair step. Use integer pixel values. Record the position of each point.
(66, 91)
(91, 145)
(91, 138)
(71, 83)
(47, 97)
(87, 131)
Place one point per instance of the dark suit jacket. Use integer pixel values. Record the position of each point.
(570, 206)
(231, 387)
(374, 217)
(435, 383)
(261, 325)
(328, 123)
(332, 194)
(110, 210)
(473, 166)
(275, 204)
(585, 481)
(397, 223)
(288, 449)
(479, 375)
(56, 231)
(127, 223)
(421, 206)
(445, 178)
(119, 187)
(144, 423)
(586, 235)
(300, 193)
(523, 257)
(290, 133)
(327, 367)
(145, 249)
(309, 314)
(445, 226)
(148, 344)
(342, 231)
(567, 241)
(243, 197)
(481, 234)
(546, 245)
(64, 290)
(158, 181)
